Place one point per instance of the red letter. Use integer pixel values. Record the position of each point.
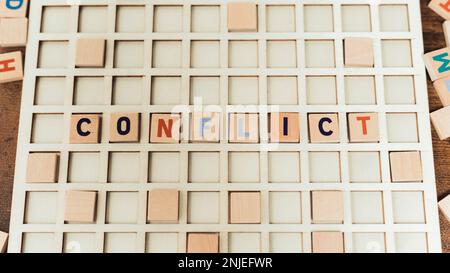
(363, 123)
(6, 67)
(445, 6)
(167, 129)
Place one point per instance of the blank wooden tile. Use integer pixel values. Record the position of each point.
(80, 206)
(446, 29)
(444, 206)
(165, 128)
(441, 7)
(11, 67)
(202, 243)
(3, 241)
(205, 127)
(42, 168)
(327, 242)
(323, 128)
(90, 53)
(441, 122)
(284, 127)
(245, 208)
(85, 128)
(124, 127)
(13, 9)
(242, 17)
(438, 63)
(13, 32)
(363, 127)
(244, 128)
(327, 207)
(406, 166)
(442, 87)
(358, 52)
(163, 206)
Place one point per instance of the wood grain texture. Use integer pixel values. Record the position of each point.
(10, 106)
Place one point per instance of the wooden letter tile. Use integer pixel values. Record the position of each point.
(442, 87)
(444, 206)
(438, 63)
(363, 127)
(441, 122)
(328, 242)
(13, 8)
(358, 52)
(242, 17)
(13, 32)
(11, 67)
(163, 206)
(85, 128)
(244, 128)
(441, 7)
(406, 166)
(284, 127)
(323, 128)
(165, 128)
(80, 206)
(90, 53)
(3, 241)
(124, 127)
(205, 127)
(42, 168)
(327, 207)
(245, 208)
(202, 243)
(446, 29)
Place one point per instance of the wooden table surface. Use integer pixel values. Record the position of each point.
(10, 107)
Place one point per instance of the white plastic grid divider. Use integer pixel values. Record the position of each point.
(109, 72)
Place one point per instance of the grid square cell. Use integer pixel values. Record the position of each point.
(127, 91)
(120, 242)
(360, 90)
(285, 207)
(331, 174)
(367, 207)
(280, 18)
(130, 19)
(369, 242)
(284, 167)
(318, 18)
(89, 91)
(411, 242)
(55, 19)
(50, 90)
(281, 54)
(356, 18)
(245, 242)
(243, 90)
(164, 167)
(84, 167)
(364, 167)
(41, 207)
(243, 167)
(122, 207)
(124, 167)
(399, 90)
(39, 242)
(282, 90)
(157, 242)
(281, 242)
(396, 53)
(203, 207)
(168, 19)
(205, 54)
(47, 128)
(319, 54)
(204, 167)
(242, 54)
(93, 19)
(402, 127)
(167, 54)
(79, 242)
(166, 90)
(129, 54)
(408, 207)
(205, 90)
(205, 18)
(321, 90)
(52, 54)
(394, 18)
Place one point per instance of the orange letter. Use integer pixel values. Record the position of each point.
(167, 129)
(445, 6)
(363, 123)
(6, 67)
